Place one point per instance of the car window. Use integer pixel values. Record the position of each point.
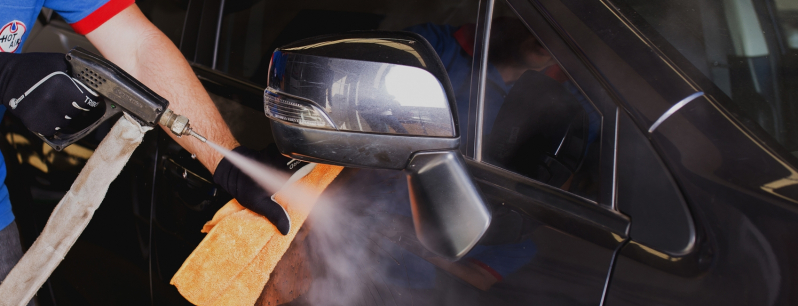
(169, 16)
(787, 11)
(536, 122)
(746, 47)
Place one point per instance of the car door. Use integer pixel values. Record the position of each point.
(544, 151)
(547, 244)
(711, 141)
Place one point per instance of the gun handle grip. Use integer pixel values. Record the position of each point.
(63, 141)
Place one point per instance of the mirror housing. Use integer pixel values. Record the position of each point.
(383, 100)
(366, 83)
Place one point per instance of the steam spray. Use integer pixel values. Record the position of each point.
(343, 242)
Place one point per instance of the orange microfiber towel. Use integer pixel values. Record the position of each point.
(233, 262)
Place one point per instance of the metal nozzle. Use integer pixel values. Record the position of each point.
(198, 136)
(178, 125)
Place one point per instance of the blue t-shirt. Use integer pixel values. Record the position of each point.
(16, 20)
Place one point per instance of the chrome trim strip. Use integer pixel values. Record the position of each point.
(218, 34)
(561, 142)
(673, 110)
(483, 75)
(614, 197)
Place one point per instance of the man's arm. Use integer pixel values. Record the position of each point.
(133, 43)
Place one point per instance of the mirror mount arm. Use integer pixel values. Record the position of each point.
(449, 213)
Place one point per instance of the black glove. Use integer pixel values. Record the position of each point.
(248, 193)
(37, 88)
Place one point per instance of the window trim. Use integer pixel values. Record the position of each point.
(468, 137)
(217, 34)
(483, 76)
(563, 201)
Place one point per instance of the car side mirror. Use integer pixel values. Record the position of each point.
(380, 100)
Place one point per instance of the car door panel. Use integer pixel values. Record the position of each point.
(723, 165)
(576, 238)
(733, 176)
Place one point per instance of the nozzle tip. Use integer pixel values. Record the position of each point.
(198, 136)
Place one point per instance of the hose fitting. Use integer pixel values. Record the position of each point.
(178, 125)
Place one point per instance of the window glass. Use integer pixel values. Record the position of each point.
(168, 16)
(788, 19)
(536, 122)
(746, 47)
(251, 30)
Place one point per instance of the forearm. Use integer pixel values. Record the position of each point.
(161, 66)
(133, 43)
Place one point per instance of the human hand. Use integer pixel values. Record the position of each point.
(248, 193)
(38, 89)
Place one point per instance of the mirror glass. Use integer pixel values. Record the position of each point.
(361, 96)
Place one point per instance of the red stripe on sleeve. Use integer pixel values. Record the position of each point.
(100, 16)
(465, 37)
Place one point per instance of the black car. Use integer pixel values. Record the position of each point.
(629, 152)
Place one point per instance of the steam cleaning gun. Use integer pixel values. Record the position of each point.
(121, 93)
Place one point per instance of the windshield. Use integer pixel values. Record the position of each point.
(748, 48)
